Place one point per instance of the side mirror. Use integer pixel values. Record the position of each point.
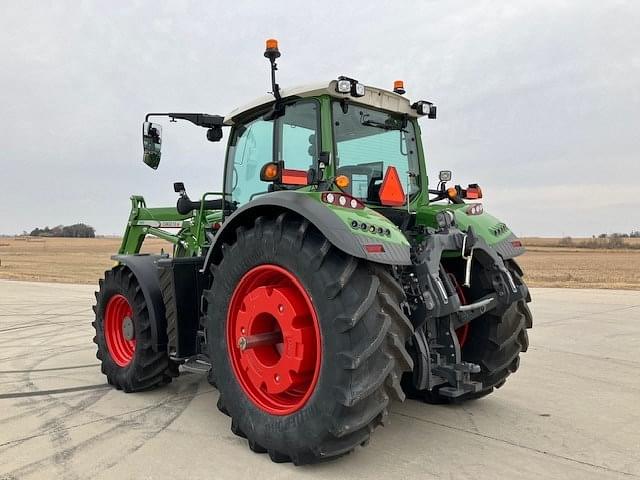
(151, 143)
(444, 175)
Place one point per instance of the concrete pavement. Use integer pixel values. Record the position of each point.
(571, 411)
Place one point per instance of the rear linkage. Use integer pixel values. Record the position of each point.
(436, 310)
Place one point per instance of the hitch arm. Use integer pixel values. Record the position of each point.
(466, 313)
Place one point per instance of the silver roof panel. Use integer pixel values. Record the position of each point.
(374, 97)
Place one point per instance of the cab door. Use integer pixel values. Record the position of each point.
(292, 138)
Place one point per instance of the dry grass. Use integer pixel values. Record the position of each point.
(581, 268)
(73, 260)
(65, 260)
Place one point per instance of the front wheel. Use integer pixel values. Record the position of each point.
(123, 335)
(308, 342)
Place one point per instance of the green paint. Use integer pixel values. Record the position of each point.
(482, 224)
(366, 215)
(189, 238)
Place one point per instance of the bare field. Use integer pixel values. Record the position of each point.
(64, 260)
(581, 268)
(76, 260)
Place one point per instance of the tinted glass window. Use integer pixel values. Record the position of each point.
(368, 142)
(252, 147)
(299, 133)
(296, 140)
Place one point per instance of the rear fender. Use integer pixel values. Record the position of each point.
(335, 223)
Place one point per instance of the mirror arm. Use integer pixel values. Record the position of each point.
(200, 119)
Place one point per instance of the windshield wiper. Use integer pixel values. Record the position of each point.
(383, 126)
(391, 125)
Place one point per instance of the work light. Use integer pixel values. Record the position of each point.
(350, 85)
(358, 90)
(425, 108)
(344, 86)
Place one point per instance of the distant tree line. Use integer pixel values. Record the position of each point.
(79, 230)
(604, 240)
(633, 234)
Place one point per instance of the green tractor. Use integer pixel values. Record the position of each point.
(324, 282)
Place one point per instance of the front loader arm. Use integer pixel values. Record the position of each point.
(145, 221)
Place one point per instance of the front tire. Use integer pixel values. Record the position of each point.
(123, 335)
(349, 360)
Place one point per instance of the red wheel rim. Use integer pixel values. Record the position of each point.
(273, 339)
(117, 314)
(463, 332)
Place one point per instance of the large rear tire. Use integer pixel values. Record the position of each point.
(346, 366)
(123, 335)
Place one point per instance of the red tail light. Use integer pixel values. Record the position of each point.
(294, 177)
(374, 248)
(473, 191)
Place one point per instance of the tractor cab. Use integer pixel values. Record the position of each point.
(365, 137)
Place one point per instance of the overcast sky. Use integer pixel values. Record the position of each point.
(538, 102)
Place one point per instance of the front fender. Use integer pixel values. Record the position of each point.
(493, 231)
(144, 268)
(335, 223)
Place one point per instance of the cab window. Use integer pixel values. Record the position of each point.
(367, 143)
(295, 136)
(251, 147)
(298, 136)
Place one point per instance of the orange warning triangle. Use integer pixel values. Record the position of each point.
(391, 191)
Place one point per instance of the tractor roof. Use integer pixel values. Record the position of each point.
(374, 97)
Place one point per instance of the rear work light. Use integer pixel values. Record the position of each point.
(350, 86)
(425, 108)
(341, 200)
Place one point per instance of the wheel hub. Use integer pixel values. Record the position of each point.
(273, 339)
(127, 328)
